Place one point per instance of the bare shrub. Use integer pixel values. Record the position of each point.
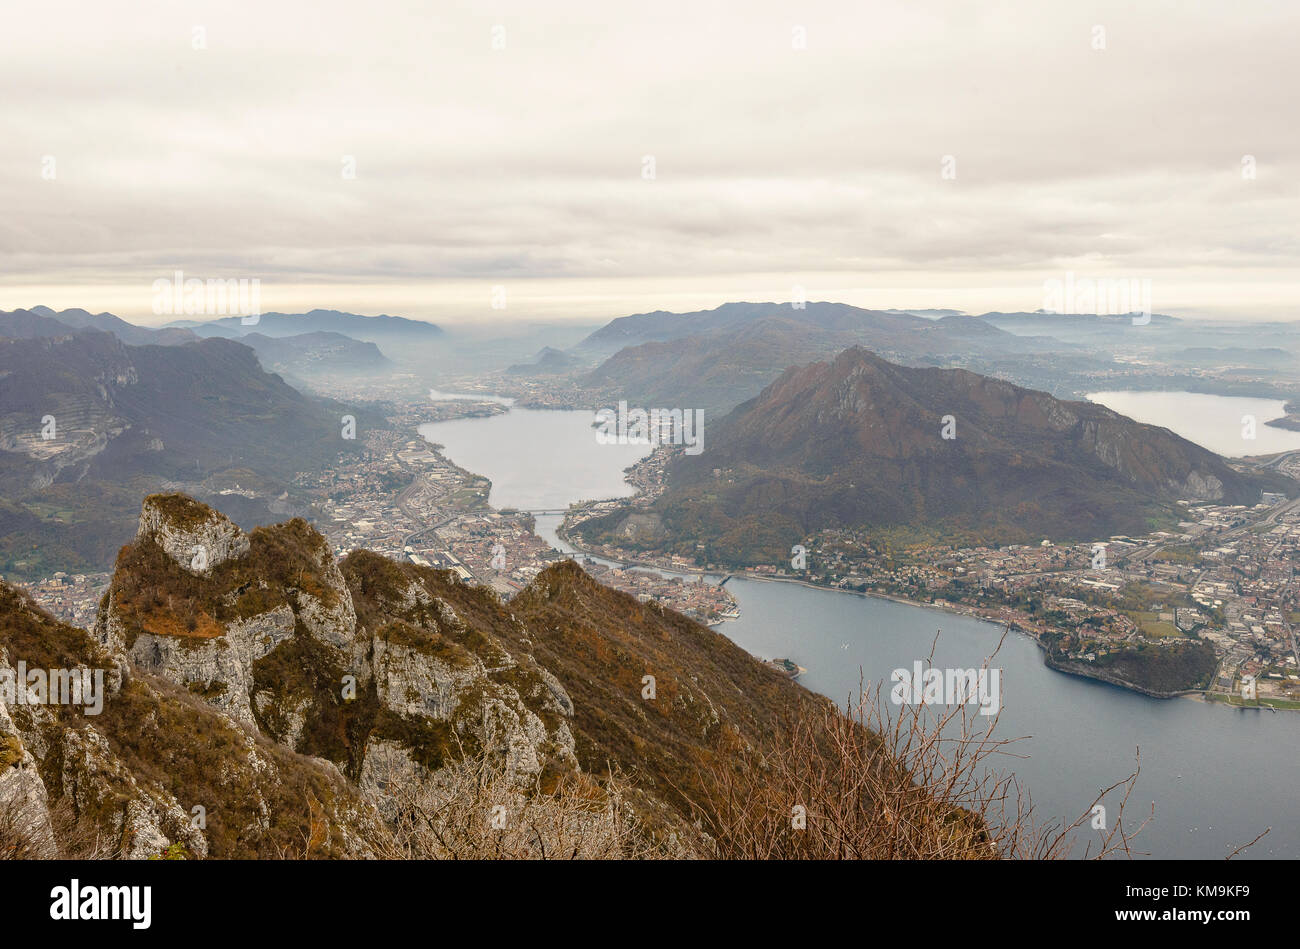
(475, 810)
(876, 784)
(25, 832)
(29, 832)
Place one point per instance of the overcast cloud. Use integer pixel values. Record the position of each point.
(523, 166)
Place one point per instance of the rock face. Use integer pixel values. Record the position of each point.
(23, 799)
(143, 820)
(1199, 486)
(439, 682)
(191, 533)
(157, 767)
(221, 669)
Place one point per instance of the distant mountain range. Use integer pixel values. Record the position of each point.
(1237, 356)
(858, 443)
(43, 321)
(86, 420)
(888, 328)
(320, 352)
(716, 359)
(1040, 319)
(930, 313)
(376, 329)
(661, 325)
(298, 354)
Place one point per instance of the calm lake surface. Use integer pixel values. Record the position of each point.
(1218, 776)
(538, 459)
(1212, 421)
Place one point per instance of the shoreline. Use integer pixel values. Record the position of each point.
(1065, 668)
(1201, 695)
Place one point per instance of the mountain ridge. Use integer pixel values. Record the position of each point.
(717, 359)
(44, 321)
(375, 329)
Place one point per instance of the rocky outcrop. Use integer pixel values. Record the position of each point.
(25, 829)
(141, 821)
(219, 669)
(45, 744)
(332, 621)
(1199, 486)
(448, 684)
(268, 631)
(191, 533)
(159, 767)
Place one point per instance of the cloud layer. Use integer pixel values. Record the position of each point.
(523, 166)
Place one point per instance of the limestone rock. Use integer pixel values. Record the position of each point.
(24, 804)
(193, 534)
(220, 669)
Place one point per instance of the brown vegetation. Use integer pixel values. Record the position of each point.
(867, 784)
(154, 594)
(473, 811)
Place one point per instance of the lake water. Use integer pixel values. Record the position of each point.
(1211, 421)
(538, 459)
(1218, 776)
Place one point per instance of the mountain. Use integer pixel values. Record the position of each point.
(120, 410)
(43, 321)
(320, 352)
(714, 372)
(87, 421)
(1104, 331)
(27, 324)
(719, 358)
(662, 325)
(857, 443)
(288, 692)
(548, 361)
(889, 329)
(375, 329)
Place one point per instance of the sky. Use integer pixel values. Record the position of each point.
(587, 160)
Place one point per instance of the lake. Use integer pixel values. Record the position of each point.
(1218, 776)
(537, 459)
(1211, 421)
